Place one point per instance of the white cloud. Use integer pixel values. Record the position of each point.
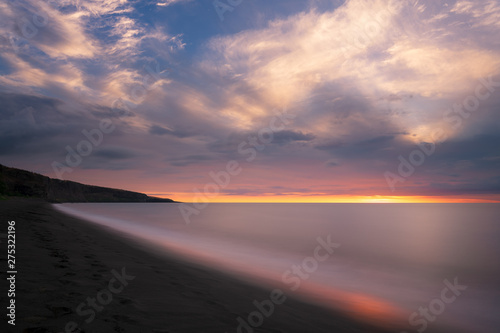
(371, 49)
(40, 36)
(166, 3)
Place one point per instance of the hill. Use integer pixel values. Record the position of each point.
(17, 182)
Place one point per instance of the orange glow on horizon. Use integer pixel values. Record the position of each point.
(221, 198)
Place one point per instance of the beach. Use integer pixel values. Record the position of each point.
(73, 276)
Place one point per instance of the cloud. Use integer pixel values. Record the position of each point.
(159, 130)
(286, 136)
(190, 159)
(33, 125)
(115, 153)
(47, 28)
(365, 51)
(167, 3)
(366, 82)
(332, 163)
(84, 50)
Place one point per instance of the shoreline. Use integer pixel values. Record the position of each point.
(77, 275)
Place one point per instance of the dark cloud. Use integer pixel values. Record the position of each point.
(479, 148)
(93, 163)
(37, 130)
(330, 145)
(336, 100)
(397, 97)
(29, 124)
(190, 159)
(287, 136)
(115, 153)
(332, 163)
(375, 143)
(272, 191)
(376, 147)
(490, 185)
(10, 102)
(159, 130)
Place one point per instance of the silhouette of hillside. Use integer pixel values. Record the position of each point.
(17, 182)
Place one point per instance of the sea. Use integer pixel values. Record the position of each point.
(422, 266)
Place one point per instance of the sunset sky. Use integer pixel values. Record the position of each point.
(304, 100)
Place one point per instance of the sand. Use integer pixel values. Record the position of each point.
(64, 264)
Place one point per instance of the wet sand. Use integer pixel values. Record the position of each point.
(76, 277)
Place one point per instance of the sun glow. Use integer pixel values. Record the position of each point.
(375, 199)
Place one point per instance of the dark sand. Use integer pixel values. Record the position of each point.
(61, 261)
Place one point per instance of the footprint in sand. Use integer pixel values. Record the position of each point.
(37, 330)
(124, 319)
(59, 311)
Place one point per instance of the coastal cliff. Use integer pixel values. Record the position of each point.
(17, 182)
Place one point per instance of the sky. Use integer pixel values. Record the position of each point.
(256, 101)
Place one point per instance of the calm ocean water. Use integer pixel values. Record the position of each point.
(385, 262)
